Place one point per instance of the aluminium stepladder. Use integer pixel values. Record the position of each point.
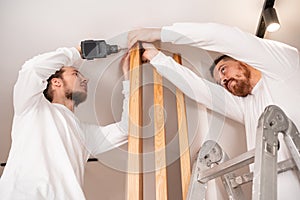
(212, 161)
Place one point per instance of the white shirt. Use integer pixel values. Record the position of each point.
(278, 63)
(50, 146)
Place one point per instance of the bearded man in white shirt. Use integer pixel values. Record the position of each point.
(253, 74)
(50, 146)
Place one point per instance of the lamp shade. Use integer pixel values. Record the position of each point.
(271, 19)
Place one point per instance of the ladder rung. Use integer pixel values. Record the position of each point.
(282, 166)
(228, 166)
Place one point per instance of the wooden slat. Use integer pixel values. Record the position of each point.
(185, 166)
(159, 139)
(135, 175)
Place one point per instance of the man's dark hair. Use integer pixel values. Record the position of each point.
(48, 92)
(216, 61)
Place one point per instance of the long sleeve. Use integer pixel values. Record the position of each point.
(104, 138)
(32, 79)
(202, 91)
(273, 58)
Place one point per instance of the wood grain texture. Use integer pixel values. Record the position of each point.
(135, 148)
(159, 138)
(185, 162)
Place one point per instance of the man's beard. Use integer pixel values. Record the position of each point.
(76, 97)
(242, 86)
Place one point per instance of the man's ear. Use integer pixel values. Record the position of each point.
(57, 82)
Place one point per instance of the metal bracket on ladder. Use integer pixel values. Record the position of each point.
(209, 155)
(271, 122)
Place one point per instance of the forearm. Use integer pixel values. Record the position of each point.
(32, 79)
(103, 138)
(259, 53)
(210, 36)
(143, 35)
(202, 91)
(99, 139)
(123, 124)
(44, 65)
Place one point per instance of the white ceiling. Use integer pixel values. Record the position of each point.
(31, 27)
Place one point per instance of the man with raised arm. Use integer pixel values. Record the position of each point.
(252, 74)
(50, 146)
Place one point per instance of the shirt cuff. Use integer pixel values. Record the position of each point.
(158, 60)
(126, 86)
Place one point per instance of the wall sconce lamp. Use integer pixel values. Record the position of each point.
(268, 19)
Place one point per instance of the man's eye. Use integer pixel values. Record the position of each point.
(222, 70)
(76, 74)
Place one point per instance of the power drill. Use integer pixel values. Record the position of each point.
(97, 49)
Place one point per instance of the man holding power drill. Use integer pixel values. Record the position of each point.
(50, 146)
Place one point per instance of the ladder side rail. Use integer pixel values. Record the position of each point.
(197, 190)
(271, 122)
(292, 140)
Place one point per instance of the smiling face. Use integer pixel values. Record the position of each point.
(234, 76)
(75, 85)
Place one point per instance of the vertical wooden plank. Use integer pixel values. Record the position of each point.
(135, 148)
(159, 139)
(185, 163)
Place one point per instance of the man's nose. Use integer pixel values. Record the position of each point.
(223, 79)
(84, 79)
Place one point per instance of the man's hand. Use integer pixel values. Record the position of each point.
(125, 65)
(143, 35)
(79, 50)
(150, 51)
